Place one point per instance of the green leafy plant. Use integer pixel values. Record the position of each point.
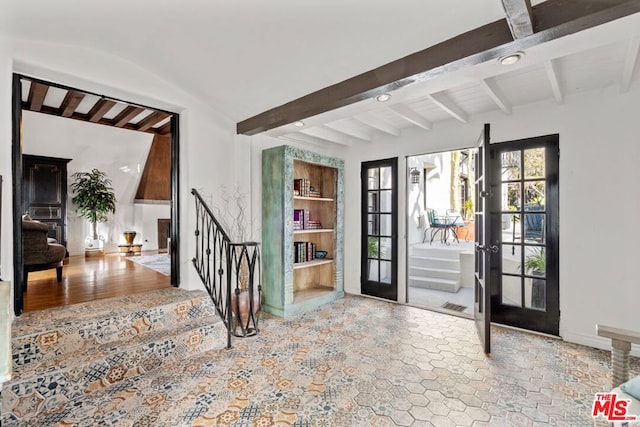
(372, 247)
(536, 262)
(94, 197)
(467, 209)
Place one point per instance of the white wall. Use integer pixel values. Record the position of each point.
(207, 137)
(145, 223)
(438, 191)
(6, 212)
(120, 153)
(599, 173)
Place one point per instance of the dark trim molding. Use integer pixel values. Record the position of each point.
(552, 19)
(175, 200)
(16, 160)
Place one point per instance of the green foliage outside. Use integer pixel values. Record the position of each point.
(536, 262)
(372, 247)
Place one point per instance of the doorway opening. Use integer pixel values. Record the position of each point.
(440, 231)
(137, 146)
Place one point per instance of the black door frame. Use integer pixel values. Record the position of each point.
(16, 152)
(367, 287)
(547, 320)
(482, 309)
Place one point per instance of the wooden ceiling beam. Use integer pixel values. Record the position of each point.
(37, 93)
(126, 115)
(153, 118)
(85, 118)
(447, 105)
(165, 129)
(350, 129)
(411, 116)
(519, 17)
(377, 124)
(71, 101)
(101, 108)
(553, 19)
(491, 89)
(554, 80)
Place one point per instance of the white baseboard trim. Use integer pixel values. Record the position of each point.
(596, 342)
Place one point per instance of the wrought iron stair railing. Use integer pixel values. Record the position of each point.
(229, 272)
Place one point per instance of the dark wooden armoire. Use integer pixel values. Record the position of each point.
(44, 193)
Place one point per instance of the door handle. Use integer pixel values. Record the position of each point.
(493, 248)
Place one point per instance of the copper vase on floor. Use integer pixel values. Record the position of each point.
(129, 236)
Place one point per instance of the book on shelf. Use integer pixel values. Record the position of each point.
(303, 252)
(302, 186)
(301, 219)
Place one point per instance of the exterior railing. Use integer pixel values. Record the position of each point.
(229, 272)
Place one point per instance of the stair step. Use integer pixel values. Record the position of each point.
(184, 377)
(434, 283)
(435, 273)
(151, 338)
(434, 262)
(450, 252)
(52, 333)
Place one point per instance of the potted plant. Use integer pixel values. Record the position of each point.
(535, 264)
(94, 197)
(372, 252)
(469, 221)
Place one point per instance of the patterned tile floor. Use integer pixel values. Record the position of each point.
(358, 362)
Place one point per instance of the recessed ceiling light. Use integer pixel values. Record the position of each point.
(298, 123)
(383, 98)
(511, 59)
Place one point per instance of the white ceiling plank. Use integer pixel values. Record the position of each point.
(441, 100)
(350, 129)
(491, 89)
(377, 124)
(630, 64)
(328, 135)
(552, 75)
(518, 14)
(411, 116)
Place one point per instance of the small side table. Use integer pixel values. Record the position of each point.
(130, 250)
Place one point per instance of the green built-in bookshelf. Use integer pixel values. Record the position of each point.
(302, 213)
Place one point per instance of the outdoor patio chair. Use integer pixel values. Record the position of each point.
(534, 223)
(441, 224)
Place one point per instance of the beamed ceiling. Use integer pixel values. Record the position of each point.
(40, 97)
(570, 46)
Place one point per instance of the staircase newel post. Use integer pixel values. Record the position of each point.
(229, 310)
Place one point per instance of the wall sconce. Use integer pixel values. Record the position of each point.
(414, 173)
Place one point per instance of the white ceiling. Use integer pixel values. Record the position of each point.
(247, 56)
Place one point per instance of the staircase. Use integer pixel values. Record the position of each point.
(436, 267)
(65, 358)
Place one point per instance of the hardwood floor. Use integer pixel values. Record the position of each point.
(87, 279)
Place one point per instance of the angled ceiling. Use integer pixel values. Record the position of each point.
(41, 97)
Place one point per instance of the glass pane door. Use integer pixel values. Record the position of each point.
(379, 229)
(526, 174)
